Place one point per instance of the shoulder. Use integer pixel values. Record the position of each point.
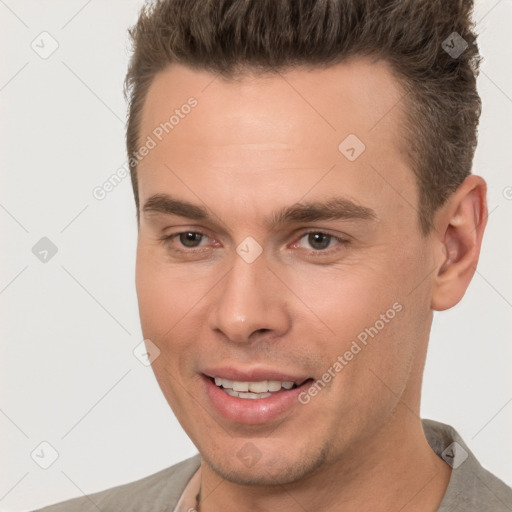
(158, 492)
(471, 488)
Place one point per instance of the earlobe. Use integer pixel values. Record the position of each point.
(460, 226)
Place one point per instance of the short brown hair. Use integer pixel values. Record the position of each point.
(231, 37)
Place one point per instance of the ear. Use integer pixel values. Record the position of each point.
(459, 228)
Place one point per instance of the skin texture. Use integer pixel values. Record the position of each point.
(248, 149)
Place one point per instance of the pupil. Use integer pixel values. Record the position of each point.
(319, 238)
(189, 239)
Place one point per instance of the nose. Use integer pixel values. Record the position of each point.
(250, 303)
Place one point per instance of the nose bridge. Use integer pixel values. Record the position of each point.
(247, 301)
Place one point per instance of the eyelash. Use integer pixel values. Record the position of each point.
(312, 252)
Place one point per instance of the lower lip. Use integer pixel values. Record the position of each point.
(253, 411)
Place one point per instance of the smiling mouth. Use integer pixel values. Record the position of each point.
(255, 389)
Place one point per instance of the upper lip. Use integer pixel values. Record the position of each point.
(254, 374)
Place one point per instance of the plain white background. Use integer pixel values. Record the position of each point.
(68, 374)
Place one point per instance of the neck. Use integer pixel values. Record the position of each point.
(394, 469)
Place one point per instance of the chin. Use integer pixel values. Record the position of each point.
(276, 469)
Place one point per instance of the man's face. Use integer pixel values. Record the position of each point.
(248, 294)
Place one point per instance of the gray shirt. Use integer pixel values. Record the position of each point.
(471, 488)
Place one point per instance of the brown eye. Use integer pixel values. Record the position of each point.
(319, 241)
(190, 239)
(318, 244)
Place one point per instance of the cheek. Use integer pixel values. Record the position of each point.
(165, 292)
(369, 325)
(171, 307)
(165, 297)
(345, 299)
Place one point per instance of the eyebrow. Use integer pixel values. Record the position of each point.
(335, 208)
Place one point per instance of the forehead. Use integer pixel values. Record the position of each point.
(356, 94)
(275, 135)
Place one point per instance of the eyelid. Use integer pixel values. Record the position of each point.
(339, 236)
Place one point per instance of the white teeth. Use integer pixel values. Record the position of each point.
(253, 396)
(274, 385)
(249, 388)
(241, 386)
(261, 387)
